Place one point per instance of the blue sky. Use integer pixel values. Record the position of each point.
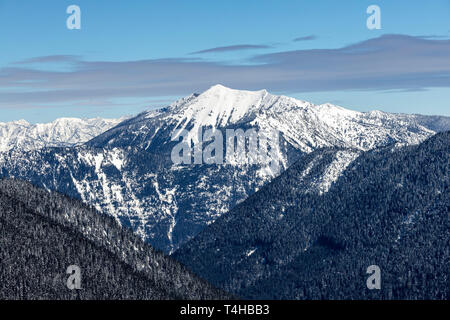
(130, 56)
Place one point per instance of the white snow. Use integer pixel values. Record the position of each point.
(117, 158)
(334, 170)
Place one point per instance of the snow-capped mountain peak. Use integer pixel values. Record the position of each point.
(304, 125)
(220, 106)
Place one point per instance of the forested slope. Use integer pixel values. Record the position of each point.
(42, 234)
(390, 208)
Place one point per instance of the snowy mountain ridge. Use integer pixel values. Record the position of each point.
(303, 124)
(62, 132)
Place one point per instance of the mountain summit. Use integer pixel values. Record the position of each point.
(220, 106)
(304, 125)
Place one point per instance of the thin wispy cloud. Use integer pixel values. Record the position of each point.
(238, 47)
(305, 38)
(433, 36)
(389, 62)
(50, 59)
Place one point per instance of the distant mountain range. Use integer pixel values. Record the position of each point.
(127, 171)
(63, 132)
(42, 234)
(389, 208)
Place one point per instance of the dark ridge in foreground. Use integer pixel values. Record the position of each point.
(42, 234)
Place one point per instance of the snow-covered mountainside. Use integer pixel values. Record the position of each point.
(304, 125)
(128, 172)
(59, 133)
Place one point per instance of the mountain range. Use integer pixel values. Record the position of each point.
(127, 171)
(63, 132)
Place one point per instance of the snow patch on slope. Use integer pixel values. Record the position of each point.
(334, 170)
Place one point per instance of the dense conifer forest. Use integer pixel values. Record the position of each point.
(390, 208)
(42, 234)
